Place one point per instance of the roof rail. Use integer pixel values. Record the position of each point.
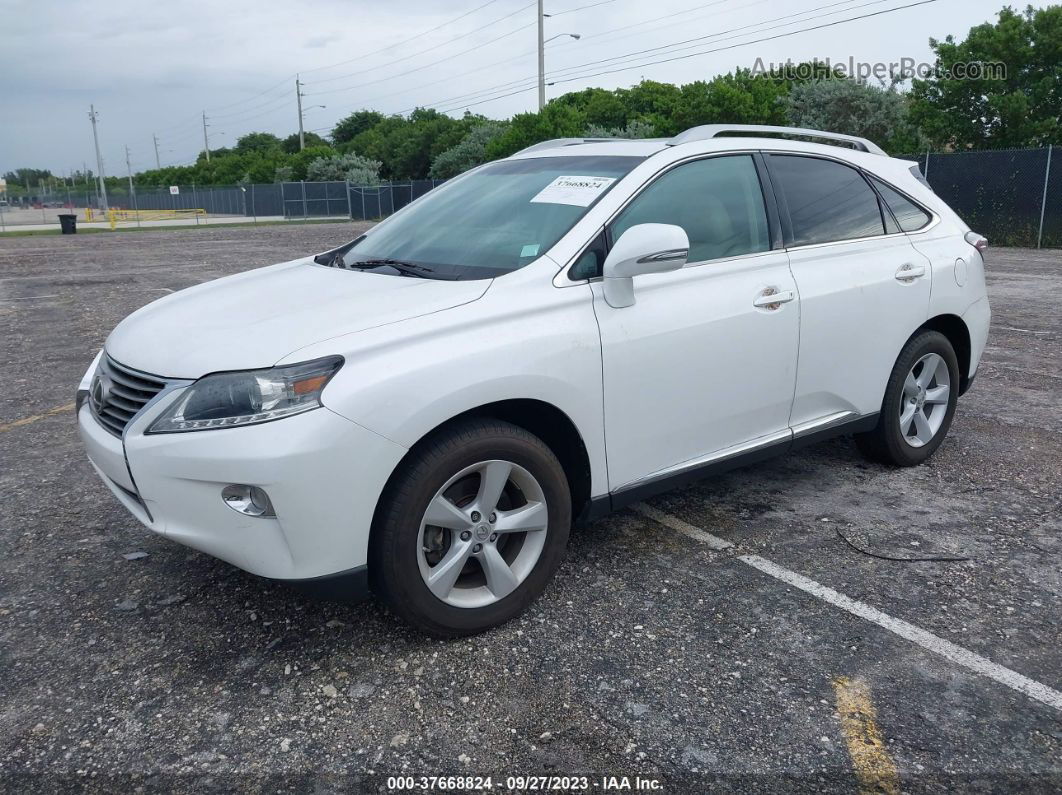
(553, 143)
(706, 131)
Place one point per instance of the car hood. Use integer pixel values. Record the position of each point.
(254, 319)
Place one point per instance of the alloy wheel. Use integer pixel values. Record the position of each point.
(482, 534)
(926, 392)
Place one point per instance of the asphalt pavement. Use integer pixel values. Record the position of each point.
(663, 652)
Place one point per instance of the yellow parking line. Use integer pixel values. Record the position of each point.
(874, 768)
(28, 420)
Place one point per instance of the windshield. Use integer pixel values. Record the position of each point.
(493, 220)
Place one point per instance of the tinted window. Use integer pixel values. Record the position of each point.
(827, 201)
(590, 262)
(717, 201)
(908, 214)
(495, 219)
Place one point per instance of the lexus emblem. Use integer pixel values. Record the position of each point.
(101, 390)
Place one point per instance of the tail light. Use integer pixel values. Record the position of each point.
(977, 241)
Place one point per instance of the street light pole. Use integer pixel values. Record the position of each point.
(155, 138)
(298, 100)
(541, 57)
(99, 159)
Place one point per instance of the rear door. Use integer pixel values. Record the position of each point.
(704, 361)
(864, 288)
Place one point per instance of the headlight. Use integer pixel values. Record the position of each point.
(226, 400)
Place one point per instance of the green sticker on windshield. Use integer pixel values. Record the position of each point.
(530, 250)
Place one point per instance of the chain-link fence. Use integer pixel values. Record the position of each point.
(195, 204)
(1013, 197)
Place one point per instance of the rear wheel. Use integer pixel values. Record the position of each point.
(472, 529)
(919, 403)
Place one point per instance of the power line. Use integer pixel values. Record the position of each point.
(404, 41)
(279, 85)
(425, 66)
(703, 52)
(754, 41)
(561, 71)
(269, 90)
(688, 43)
(580, 8)
(429, 49)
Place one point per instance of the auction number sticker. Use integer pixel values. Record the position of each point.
(574, 190)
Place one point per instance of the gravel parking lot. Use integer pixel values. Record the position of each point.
(660, 651)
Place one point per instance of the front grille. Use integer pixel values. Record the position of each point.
(117, 394)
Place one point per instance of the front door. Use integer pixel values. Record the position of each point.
(704, 362)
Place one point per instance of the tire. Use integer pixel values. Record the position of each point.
(902, 442)
(445, 479)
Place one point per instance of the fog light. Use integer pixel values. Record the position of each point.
(248, 500)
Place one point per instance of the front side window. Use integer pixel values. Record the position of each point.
(717, 201)
(827, 201)
(909, 215)
(493, 220)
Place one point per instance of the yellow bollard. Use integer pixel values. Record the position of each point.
(88, 213)
(113, 217)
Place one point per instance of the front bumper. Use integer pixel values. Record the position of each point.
(323, 473)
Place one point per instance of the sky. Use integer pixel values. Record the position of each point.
(152, 69)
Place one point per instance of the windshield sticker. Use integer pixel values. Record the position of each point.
(530, 250)
(578, 191)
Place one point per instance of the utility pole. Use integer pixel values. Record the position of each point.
(206, 143)
(541, 57)
(298, 100)
(99, 160)
(155, 138)
(132, 190)
(129, 170)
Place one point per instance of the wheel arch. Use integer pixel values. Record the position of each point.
(549, 423)
(955, 329)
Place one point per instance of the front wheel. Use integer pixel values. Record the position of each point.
(471, 529)
(919, 403)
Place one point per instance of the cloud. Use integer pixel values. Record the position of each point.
(316, 42)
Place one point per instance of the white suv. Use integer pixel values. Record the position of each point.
(425, 411)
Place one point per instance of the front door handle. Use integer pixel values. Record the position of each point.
(908, 272)
(773, 298)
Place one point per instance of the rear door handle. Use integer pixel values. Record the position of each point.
(773, 298)
(908, 272)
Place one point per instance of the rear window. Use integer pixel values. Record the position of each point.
(827, 201)
(908, 215)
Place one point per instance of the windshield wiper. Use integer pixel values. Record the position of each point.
(408, 268)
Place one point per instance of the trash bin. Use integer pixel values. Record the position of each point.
(68, 221)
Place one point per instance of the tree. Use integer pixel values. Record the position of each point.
(257, 142)
(636, 128)
(354, 168)
(28, 177)
(556, 120)
(291, 143)
(854, 107)
(1020, 108)
(354, 125)
(469, 152)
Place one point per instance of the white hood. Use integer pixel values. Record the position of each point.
(254, 319)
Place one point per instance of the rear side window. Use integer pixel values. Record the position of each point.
(827, 201)
(909, 215)
(718, 201)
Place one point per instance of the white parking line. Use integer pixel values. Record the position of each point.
(927, 640)
(667, 520)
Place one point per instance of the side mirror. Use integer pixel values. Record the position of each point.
(644, 248)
